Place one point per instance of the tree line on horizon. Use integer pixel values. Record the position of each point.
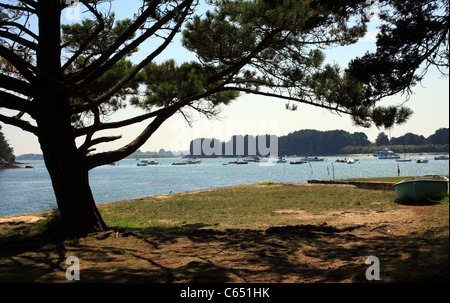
(309, 142)
(302, 142)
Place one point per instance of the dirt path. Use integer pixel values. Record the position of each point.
(19, 219)
(331, 247)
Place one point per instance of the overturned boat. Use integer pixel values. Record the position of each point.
(422, 189)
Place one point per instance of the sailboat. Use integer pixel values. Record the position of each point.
(315, 158)
(403, 160)
(404, 155)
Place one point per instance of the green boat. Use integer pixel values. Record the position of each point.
(427, 188)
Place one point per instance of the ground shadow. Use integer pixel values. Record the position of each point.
(197, 253)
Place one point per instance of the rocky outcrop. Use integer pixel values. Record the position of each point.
(7, 165)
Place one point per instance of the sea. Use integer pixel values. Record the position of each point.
(30, 190)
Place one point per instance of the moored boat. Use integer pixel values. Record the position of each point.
(179, 163)
(241, 162)
(404, 156)
(238, 161)
(386, 154)
(193, 161)
(427, 188)
(252, 159)
(281, 160)
(297, 162)
(441, 157)
(404, 160)
(187, 162)
(313, 159)
(143, 163)
(422, 160)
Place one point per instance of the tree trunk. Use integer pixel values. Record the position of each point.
(65, 164)
(67, 167)
(71, 186)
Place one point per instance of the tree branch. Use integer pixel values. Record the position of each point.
(102, 140)
(114, 125)
(30, 3)
(143, 63)
(117, 57)
(19, 8)
(18, 39)
(21, 65)
(233, 69)
(15, 121)
(113, 156)
(19, 27)
(321, 105)
(15, 103)
(78, 76)
(19, 86)
(161, 112)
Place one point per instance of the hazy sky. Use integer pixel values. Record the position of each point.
(259, 115)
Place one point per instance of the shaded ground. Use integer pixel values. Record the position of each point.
(411, 243)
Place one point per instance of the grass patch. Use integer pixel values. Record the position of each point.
(241, 207)
(445, 200)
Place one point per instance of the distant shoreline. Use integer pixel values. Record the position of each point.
(145, 156)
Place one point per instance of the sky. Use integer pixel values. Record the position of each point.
(256, 115)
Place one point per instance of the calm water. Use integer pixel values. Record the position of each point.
(29, 190)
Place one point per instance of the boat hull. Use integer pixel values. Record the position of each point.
(422, 161)
(315, 159)
(441, 158)
(426, 189)
(388, 157)
(297, 162)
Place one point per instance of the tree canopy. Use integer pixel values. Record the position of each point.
(413, 37)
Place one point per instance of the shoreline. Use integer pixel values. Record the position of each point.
(6, 165)
(33, 217)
